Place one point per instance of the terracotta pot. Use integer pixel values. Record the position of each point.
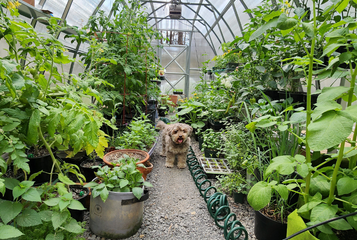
(147, 170)
(114, 155)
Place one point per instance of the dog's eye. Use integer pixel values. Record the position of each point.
(184, 131)
(175, 132)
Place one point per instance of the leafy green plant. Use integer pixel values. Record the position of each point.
(123, 178)
(211, 139)
(39, 212)
(326, 191)
(194, 110)
(141, 135)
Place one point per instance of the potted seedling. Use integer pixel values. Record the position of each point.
(116, 208)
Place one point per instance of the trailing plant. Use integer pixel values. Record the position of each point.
(123, 178)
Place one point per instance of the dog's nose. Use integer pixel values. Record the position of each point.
(180, 135)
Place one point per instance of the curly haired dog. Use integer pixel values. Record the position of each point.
(175, 142)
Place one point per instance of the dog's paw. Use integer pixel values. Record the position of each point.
(181, 165)
(169, 165)
(163, 154)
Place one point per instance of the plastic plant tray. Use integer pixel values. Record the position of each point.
(215, 165)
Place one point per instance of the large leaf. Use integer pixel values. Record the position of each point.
(138, 192)
(29, 218)
(319, 184)
(9, 210)
(323, 107)
(308, 29)
(73, 227)
(272, 23)
(295, 224)
(32, 195)
(9, 232)
(58, 218)
(32, 133)
(282, 164)
(259, 195)
(185, 111)
(76, 205)
(285, 22)
(323, 212)
(328, 131)
(332, 93)
(346, 185)
(58, 236)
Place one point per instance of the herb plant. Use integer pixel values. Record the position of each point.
(123, 178)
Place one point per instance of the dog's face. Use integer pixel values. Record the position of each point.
(180, 133)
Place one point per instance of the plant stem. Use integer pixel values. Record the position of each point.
(331, 196)
(54, 160)
(308, 104)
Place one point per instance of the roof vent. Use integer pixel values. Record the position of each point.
(175, 11)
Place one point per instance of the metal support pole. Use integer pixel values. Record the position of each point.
(188, 65)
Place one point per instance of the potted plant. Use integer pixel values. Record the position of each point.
(177, 91)
(165, 105)
(116, 208)
(211, 143)
(323, 190)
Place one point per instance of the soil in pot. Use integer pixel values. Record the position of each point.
(81, 194)
(87, 170)
(113, 156)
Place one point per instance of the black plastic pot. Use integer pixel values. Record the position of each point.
(239, 197)
(267, 229)
(41, 163)
(216, 125)
(298, 97)
(200, 141)
(88, 172)
(162, 111)
(211, 153)
(273, 94)
(84, 199)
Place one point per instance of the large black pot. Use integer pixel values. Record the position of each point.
(89, 172)
(42, 163)
(216, 125)
(268, 229)
(84, 199)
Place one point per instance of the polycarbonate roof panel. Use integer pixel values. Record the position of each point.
(215, 20)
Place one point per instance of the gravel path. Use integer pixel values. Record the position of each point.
(176, 210)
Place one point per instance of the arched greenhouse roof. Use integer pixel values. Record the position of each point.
(215, 21)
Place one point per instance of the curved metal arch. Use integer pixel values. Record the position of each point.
(220, 17)
(206, 23)
(211, 45)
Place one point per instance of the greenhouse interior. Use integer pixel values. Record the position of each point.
(178, 119)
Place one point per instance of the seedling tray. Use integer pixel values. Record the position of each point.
(215, 166)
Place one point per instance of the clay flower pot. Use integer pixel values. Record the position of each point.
(135, 153)
(147, 170)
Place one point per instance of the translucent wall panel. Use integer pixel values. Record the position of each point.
(243, 16)
(55, 6)
(80, 12)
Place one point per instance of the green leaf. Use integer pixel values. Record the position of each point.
(58, 218)
(63, 204)
(46, 215)
(104, 193)
(282, 190)
(8, 232)
(342, 5)
(11, 126)
(64, 179)
(52, 202)
(73, 227)
(322, 107)
(308, 206)
(58, 236)
(272, 23)
(323, 212)
(9, 210)
(76, 205)
(138, 192)
(282, 164)
(346, 185)
(272, 15)
(332, 93)
(308, 28)
(344, 57)
(302, 170)
(22, 188)
(331, 48)
(326, 236)
(32, 195)
(29, 218)
(328, 131)
(259, 195)
(34, 124)
(340, 224)
(185, 111)
(295, 224)
(285, 22)
(352, 111)
(319, 184)
(123, 183)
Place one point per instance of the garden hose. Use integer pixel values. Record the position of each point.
(217, 203)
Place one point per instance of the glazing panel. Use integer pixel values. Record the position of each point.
(55, 6)
(80, 12)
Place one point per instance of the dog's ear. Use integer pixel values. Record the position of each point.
(190, 131)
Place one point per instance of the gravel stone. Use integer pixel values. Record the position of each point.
(175, 210)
